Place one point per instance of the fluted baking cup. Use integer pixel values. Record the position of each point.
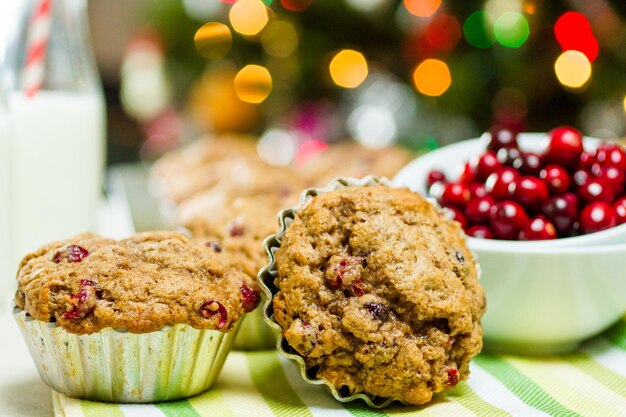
(268, 274)
(117, 366)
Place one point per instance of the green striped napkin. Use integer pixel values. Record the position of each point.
(589, 382)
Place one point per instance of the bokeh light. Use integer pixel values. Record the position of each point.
(296, 5)
(348, 68)
(432, 77)
(511, 29)
(477, 30)
(572, 69)
(279, 39)
(573, 32)
(248, 17)
(443, 32)
(309, 150)
(624, 103)
(277, 147)
(422, 8)
(253, 84)
(373, 126)
(366, 5)
(213, 40)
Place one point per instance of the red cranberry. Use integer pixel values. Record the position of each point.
(213, 308)
(501, 137)
(556, 178)
(596, 189)
(467, 175)
(507, 219)
(613, 175)
(251, 298)
(477, 211)
(477, 190)
(611, 154)
(457, 215)
(435, 176)
(72, 253)
(538, 228)
(564, 147)
(453, 377)
(620, 210)
(486, 164)
(455, 194)
(379, 311)
(480, 231)
(586, 160)
(84, 302)
(580, 177)
(529, 191)
(561, 211)
(236, 229)
(344, 271)
(509, 156)
(597, 216)
(528, 163)
(497, 184)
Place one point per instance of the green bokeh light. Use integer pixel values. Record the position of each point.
(511, 29)
(268, 3)
(477, 30)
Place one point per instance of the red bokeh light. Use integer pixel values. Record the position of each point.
(573, 32)
(443, 32)
(296, 5)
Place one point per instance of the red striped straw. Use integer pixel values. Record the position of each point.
(38, 35)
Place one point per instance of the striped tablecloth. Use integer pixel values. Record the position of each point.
(588, 382)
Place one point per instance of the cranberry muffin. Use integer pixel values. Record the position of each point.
(349, 159)
(377, 293)
(156, 304)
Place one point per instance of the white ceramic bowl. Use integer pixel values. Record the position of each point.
(543, 297)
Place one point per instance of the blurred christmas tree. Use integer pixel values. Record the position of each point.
(414, 71)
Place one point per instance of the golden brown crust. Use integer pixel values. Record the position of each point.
(139, 284)
(379, 294)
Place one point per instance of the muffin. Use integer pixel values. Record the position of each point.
(147, 318)
(349, 159)
(375, 293)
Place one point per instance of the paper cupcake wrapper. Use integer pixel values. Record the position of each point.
(117, 366)
(254, 334)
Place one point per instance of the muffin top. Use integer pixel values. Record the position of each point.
(379, 294)
(350, 159)
(139, 284)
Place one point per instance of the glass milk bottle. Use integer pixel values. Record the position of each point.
(57, 114)
(7, 267)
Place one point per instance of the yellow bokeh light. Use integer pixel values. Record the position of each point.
(624, 104)
(248, 17)
(422, 8)
(432, 77)
(572, 69)
(253, 84)
(213, 40)
(348, 68)
(279, 39)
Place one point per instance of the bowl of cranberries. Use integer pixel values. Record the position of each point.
(546, 216)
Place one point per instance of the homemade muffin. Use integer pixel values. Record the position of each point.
(378, 293)
(143, 319)
(139, 284)
(349, 159)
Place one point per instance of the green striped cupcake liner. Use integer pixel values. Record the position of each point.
(118, 366)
